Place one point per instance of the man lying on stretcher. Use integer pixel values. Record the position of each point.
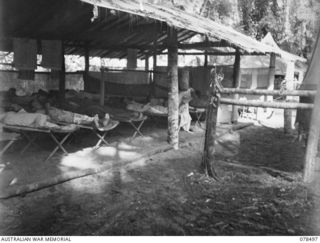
(50, 117)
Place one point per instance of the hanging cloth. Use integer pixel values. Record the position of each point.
(51, 54)
(25, 53)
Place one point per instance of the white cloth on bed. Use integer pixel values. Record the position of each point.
(25, 119)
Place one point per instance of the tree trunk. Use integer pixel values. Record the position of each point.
(314, 132)
(210, 134)
(173, 96)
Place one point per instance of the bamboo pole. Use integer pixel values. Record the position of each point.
(236, 83)
(173, 96)
(265, 104)
(306, 93)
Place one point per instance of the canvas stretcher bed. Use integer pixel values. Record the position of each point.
(136, 123)
(135, 119)
(100, 132)
(52, 133)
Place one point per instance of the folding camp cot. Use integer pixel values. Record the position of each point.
(99, 132)
(25, 133)
(136, 123)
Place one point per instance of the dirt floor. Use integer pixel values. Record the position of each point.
(259, 192)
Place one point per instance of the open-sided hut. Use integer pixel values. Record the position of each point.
(116, 29)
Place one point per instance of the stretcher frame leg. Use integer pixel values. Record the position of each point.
(198, 115)
(7, 146)
(101, 139)
(137, 129)
(31, 140)
(59, 145)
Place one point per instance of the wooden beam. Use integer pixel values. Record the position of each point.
(113, 46)
(173, 96)
(212, 53)
(204, 44)
(305, 93)
(265, 104)
(236, 83)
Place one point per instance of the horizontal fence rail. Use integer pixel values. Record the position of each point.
(265, 104)
(305, 93)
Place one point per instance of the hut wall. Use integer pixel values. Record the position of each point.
(43, 80)
(120, 83)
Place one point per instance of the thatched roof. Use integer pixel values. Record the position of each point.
(121, 24)
(181, 19)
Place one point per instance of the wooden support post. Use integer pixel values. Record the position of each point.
(155, 56)
(311, 165)
(271, 73)
(62, 77)
(236, 83)
(206, 55)
(86, 66)
(173, 96)
(146, 66)
(287, 115)
(210, 134)
(205, 59)
(102, 87)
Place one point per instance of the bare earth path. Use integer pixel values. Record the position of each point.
(166, 195)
